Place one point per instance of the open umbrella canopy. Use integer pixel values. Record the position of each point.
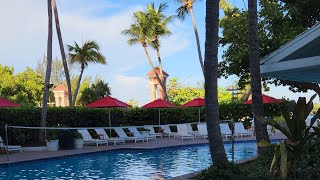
(197, 102)
(7, 103)
(266, 100)
(159, 103)
(107, 102)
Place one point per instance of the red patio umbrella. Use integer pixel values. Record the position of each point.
(159, 103)
(197, 102)
(7, 103)
(108, 102)
(266, 100)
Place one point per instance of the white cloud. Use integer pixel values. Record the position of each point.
(24, 35)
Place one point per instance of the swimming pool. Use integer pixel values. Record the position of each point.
(126, 164)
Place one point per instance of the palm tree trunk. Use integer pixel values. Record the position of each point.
(48, 73)
(260, 127)
(155, 72)
(161, 74)
(246, 94)
(78, 86)
(63, 54)
(218, 154)
(197, 39)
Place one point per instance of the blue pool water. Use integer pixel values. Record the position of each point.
(126, 164)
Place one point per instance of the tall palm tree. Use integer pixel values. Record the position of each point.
(140, 33)
(217, 150)
(159, 28)
(88, 53)
(48, 72)
(260, 128)
(63, 54)
(186, 8)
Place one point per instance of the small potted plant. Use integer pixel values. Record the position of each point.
(78, 140)
(52, 141)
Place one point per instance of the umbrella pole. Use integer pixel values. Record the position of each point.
(159, 116)
(199, 115)
(109, 123)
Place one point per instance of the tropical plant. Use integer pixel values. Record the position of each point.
(63, 54)
(186, 8)
(52, 135)
(217, 150)
(48, 72)
(97, 91)
(295, 129)
(140, 32)
(255, 76)
(158, 29)
(88, 53)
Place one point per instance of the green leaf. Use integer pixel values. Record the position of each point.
(284, 159)
(264, 143)
(276, 155)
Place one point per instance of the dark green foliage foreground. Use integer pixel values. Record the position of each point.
(308, 167)
(256, 169)
(94, 117)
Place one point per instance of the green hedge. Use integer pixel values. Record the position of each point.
(85, 117)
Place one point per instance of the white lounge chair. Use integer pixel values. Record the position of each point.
(136, 133)
(183, 132)
(240, 131)
(152, 132)
(202, 130)
(104, 135)
(9, 147)
(87, 138)
(190, 130)
(122, 134)
(167, 131)
(225, 130)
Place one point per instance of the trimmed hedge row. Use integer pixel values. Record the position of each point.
(87, 117)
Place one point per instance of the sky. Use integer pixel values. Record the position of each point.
(23, 41)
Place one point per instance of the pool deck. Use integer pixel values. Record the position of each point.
(20, 157)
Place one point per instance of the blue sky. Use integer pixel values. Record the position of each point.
(24, 33)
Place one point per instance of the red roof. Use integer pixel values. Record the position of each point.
(159, 103)
(195, 103)
(7, 103)
(151, 73)
(60, 88)
(266, 100)
(107, 102)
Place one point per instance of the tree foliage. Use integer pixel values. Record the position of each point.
(179, 93)
(97, 91)
(279, 22)
(25, 87)
(88, 53)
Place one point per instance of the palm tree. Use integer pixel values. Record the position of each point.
(186, 8)
(140, 32)
(88, 53)
(217, 150)
(260, 128)
(63, 54)
(158, 29)
(48, 72)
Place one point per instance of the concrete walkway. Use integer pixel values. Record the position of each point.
(159, 143)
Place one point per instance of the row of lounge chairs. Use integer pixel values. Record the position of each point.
(184, 131)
